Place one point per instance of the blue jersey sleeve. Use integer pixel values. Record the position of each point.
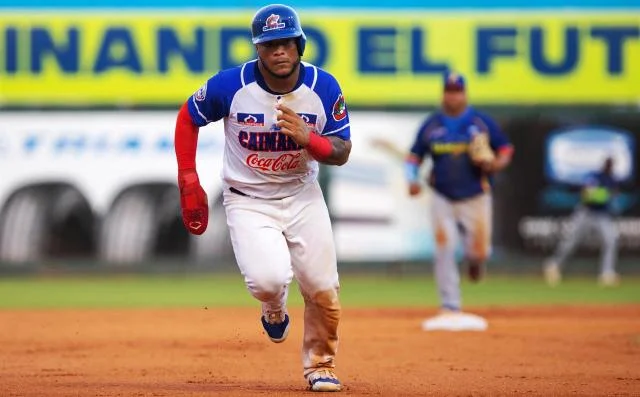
(213, 100)
(420, 147)
(497, 139)
(335, 107)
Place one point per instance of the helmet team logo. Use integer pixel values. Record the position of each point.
(273, 23)
(276, 22)
(201, 94)
(339, 109)
(251, 119)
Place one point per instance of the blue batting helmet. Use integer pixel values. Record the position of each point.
(277, 21)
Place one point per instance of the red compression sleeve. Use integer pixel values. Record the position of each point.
(319, 147)
(186, 139)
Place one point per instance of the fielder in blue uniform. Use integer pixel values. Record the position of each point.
(595, 211)
(461, 200)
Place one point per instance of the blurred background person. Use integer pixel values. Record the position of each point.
(461, 181)
(595, 211)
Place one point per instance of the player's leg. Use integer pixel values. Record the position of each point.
(475, 216)
(447, 216)
(447, 275)
(313, 256)
(609, 234)
(263, 257)
(445, 267)
(552, 267)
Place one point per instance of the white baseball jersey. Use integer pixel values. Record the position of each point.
(258, 160)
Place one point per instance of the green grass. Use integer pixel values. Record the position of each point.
(357, 291)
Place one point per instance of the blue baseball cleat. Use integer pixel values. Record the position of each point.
(276, 324)
(324, 380)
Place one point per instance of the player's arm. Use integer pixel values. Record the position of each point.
(337, 154)
(193, 199)
(414, 159)
(332, 150)
(500, 145)
(411, 170)
(199, 110)
(616, 206)
(332, 144)
(502, 160)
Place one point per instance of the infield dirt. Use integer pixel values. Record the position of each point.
(545, 351)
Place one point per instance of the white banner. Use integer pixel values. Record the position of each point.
(100, 156)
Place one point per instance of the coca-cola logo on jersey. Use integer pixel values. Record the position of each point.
(285, 162)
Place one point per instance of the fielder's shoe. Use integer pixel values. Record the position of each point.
(609, 279)
(551, 272)
(276, 324)
(475, 270)
(324, 380)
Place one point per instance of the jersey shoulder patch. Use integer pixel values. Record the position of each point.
(339, 110)
(201, 94)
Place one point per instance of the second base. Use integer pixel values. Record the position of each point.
(455, 322)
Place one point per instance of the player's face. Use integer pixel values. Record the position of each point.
(279, 57)
(454, 101)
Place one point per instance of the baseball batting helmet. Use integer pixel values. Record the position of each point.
(277, 21)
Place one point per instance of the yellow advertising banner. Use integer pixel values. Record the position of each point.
(380, 59)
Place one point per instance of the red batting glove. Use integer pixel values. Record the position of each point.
(193, 201)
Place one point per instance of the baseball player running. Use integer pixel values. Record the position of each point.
(467, 148)
(594, 211)
(281, 118)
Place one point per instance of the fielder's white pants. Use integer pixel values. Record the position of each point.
(274, 240)
(474, 216)
(584, 220)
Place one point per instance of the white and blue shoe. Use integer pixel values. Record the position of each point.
(609, 279)
(324, 380)
(551, 273)
(276, 325)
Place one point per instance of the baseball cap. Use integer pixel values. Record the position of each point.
(454, 81)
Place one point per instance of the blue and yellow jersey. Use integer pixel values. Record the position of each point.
(446, 140)
(598, 191)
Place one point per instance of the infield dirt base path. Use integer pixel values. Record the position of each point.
(588, 351)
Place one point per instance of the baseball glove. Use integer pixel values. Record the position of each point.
(479, 149)
(193, 201)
